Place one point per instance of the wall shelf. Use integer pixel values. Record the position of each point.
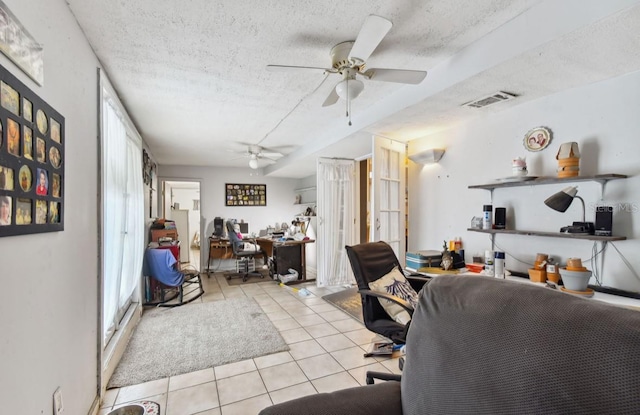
(305, 204)
(550, 234)
(600, 178)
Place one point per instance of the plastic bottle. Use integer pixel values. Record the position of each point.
(499, 264)
(488, 263)
(486, 218)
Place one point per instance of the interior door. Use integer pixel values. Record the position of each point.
(388, 194)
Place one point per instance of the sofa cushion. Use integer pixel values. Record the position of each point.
(395, 283)
(486, 346)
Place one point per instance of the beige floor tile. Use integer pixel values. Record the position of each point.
(292, 392)
(248, 406)
(278, 315)
(309, 320)
(295, 335)
(282, 376)
(286, 324)
(214, 411)
(109, 397)
(393, 365)
(271, 307)
(347, 325)
(233, 369)
(313, 300)
(321, 330)
(237, 388)
(192, 400)
(264, 299)
(323, 308)
(363, 336)
(307, 348)
(319, 366)
(300, 311)
(352, 357)
(142, 390)
(335, 316)
(191, 379)
(360, 373)
(272, 359)
(336, 342)
(342, 380)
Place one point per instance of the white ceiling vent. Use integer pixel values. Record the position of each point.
(490, 99)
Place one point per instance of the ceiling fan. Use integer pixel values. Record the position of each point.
(349, 60)
(255, 153)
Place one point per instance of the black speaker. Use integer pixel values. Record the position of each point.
(500, 221)
(604, 220)
(218, 226)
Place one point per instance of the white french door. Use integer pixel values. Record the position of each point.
(388, 194)
(336, 186)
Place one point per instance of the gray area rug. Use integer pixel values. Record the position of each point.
(173, 341)
(348, 301)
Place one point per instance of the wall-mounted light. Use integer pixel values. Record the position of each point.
(430, 156)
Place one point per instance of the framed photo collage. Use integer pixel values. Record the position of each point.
(31, 161)
(246, 194)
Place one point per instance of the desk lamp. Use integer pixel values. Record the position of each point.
(561, 201)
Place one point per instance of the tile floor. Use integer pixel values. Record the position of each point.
(327, 347)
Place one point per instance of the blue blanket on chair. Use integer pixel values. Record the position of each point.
(159, 264)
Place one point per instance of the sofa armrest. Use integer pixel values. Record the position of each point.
(402, 303)
(379, 399)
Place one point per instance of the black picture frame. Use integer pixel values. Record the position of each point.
(244, 194)
(32, 161)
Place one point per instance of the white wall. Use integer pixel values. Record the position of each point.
(602, 118)
(280, 197)
(48, 312)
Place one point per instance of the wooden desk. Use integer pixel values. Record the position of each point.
(218, 249)
(267, 244)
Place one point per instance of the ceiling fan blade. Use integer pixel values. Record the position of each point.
(374, 29)
(268, 159)
(331, 99)
(269, 154)
(401, 76)
(279, 68)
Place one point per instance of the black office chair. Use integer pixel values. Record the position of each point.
(371, 261)
(242, 255)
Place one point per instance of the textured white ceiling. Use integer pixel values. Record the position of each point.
(192, 73)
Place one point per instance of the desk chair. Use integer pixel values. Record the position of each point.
(243, 256)
(160, 264)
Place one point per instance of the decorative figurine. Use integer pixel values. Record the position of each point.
(447, 260)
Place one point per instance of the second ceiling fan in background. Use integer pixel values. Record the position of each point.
(349, 60)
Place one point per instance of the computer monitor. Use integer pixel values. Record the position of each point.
(244, 227)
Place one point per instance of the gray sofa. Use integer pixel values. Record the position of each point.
(479, 345)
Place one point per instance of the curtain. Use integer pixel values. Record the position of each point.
(123, 216)
(336, 215)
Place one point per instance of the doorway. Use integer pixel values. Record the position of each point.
(181, 204)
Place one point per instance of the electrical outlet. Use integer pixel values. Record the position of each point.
(58, 407)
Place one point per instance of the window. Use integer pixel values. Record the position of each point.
(122, 211)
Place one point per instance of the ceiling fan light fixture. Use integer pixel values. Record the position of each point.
(349, 89)
(253, 162)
